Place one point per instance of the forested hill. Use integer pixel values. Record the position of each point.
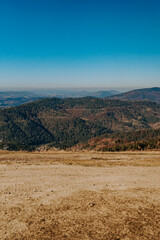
(65, 122)
(152, 94)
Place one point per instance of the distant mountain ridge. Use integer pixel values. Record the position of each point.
(75, 93)
(151, 94)
(16, 98)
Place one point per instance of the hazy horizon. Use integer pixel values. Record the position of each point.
(63, 90)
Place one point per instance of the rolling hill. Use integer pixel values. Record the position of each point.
(149, 94)
(16, 98)
(63, 123)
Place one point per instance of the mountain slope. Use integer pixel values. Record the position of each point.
(66, 122)
(120, 141)
(151, 94)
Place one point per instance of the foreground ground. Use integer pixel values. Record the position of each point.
(101, 196)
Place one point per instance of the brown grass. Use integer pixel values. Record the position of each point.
(79, 196)
(97, 159)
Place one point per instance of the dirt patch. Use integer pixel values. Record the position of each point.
(55, 196)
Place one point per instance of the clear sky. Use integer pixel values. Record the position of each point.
(79, 43)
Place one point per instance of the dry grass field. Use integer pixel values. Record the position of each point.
(79, 196)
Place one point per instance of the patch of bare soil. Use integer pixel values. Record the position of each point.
(84, 196)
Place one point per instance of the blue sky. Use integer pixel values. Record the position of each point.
(79, 43)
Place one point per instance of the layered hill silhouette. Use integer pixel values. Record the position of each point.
(16, 98)
(63, 123)
(150, 94)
